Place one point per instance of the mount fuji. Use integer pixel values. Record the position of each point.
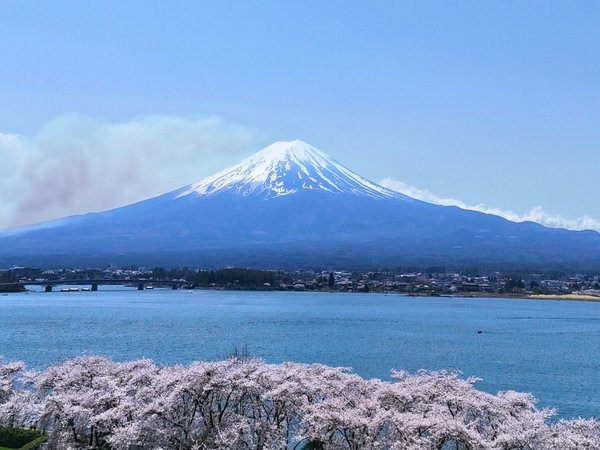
(291, 206)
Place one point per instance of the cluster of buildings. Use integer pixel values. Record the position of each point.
(441, 283)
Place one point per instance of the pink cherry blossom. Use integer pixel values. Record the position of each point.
(95, 403)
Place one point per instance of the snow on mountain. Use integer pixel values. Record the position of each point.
(284, 168)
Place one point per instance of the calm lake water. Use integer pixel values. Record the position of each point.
(549, 348)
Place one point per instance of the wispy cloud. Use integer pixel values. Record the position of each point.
(76, 164)
(536, 214)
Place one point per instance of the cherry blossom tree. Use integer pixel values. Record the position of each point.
(8, 374)
(93, 402)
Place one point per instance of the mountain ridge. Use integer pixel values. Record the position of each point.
(291, 205)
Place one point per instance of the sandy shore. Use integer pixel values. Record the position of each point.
(589, 298)
(571, 297)
(483, 295)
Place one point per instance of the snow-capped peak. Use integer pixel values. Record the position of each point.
(284, 168)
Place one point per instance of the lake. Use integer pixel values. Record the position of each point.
(546, 347)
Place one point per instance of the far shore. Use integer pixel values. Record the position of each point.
(483, 295)
(571, 297)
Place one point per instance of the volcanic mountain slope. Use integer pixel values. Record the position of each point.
(291, 205)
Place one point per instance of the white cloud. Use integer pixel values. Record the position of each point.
(536, 214)
(76, 164)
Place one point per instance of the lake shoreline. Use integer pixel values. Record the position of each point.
(481, 295)
(562, 297)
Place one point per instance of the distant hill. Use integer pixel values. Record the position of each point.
(290, 205)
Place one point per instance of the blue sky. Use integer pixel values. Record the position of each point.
(494, 103)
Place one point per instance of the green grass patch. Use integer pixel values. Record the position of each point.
(14, 438)
(35, 444)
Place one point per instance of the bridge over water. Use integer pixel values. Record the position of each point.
(49, 285)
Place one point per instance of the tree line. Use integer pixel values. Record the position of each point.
(247, 278)
(93, 402)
